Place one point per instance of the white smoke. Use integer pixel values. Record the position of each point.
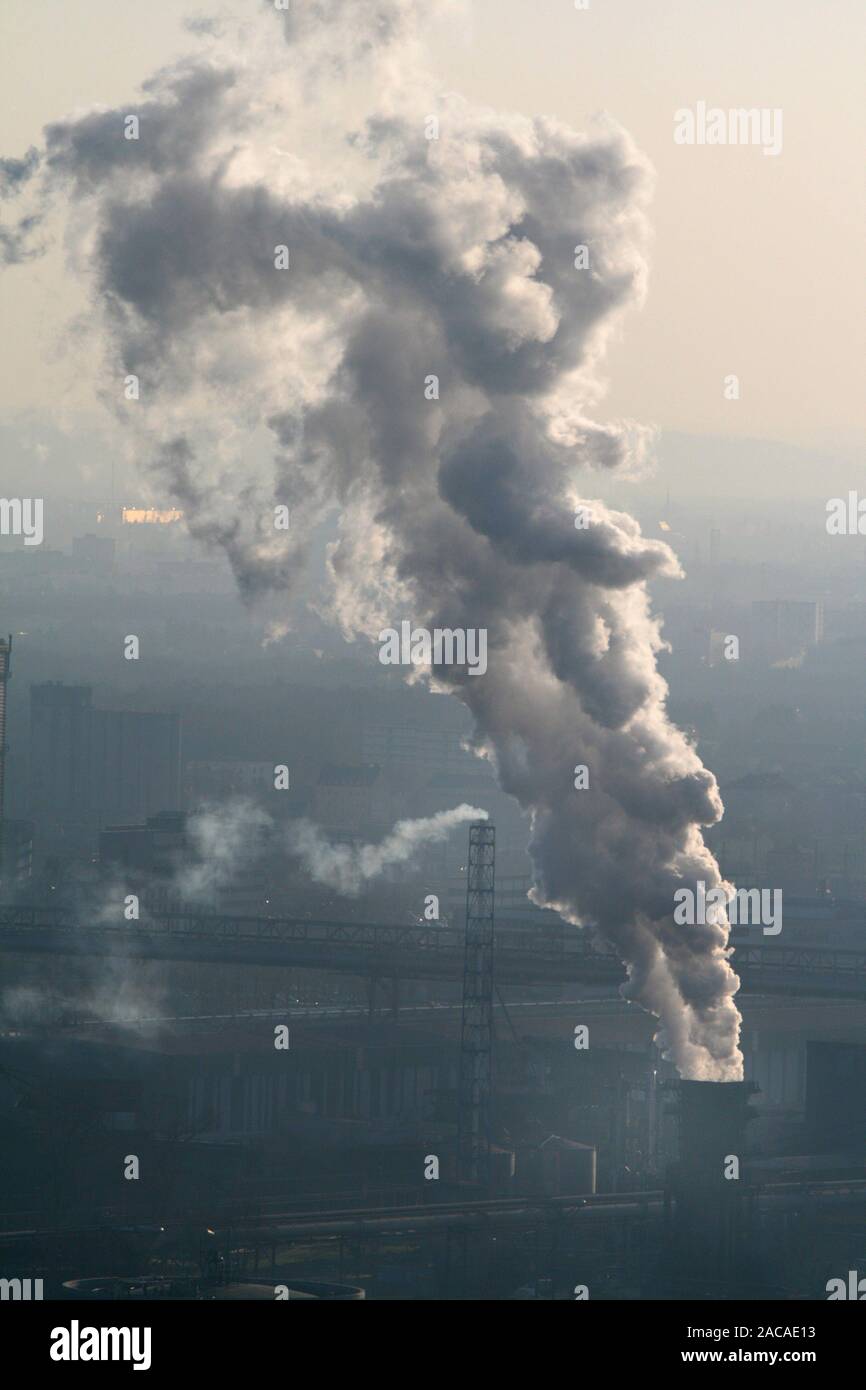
(222, 837)
(347, 868)
(225, 837)
(413, 256)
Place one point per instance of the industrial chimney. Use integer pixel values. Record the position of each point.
(708, 1201)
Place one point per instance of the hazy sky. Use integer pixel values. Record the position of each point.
(757, 264)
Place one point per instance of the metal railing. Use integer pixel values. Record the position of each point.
(560, 949)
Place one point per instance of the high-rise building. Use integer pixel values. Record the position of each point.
(60, 758)
(135, 758)
(89, 766)
(786, 627)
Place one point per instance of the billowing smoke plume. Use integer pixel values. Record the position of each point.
(348, 868)
(425, 238)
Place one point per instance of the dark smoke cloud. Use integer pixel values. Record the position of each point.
(413, 257)
(18, 241)
(14, 173)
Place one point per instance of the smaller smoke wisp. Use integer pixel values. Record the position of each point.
(347, 867)
(224, 837)
(221, 838)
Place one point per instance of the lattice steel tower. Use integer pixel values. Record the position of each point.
(5, 662)
(476, 1041)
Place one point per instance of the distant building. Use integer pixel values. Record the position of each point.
(136, 762)
(836, 1097)
(60, 758)
(352, 798)
(94, 553)
(16, 854)
(147, 857)
(153, 860)
(405, 745)
(219, 779)
(786, 628)
(90, 766)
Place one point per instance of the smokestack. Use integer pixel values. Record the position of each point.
(708, 1201)
(713, 1116)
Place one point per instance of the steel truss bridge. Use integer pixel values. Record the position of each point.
(526, 953)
